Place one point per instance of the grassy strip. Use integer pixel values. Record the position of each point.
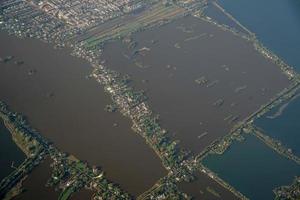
(65, 194)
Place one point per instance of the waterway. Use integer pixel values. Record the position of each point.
(52, 90)
(166, 63)
(9, 152)
(275, 22)
(253, 168)
(282, 123)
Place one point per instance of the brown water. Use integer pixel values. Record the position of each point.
(206, 188)
(82, 194)
(34, 184)
(188, 49)
(68, 109)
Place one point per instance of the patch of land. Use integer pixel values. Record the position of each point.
(120, 27)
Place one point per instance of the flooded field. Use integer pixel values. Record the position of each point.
(199, 78)
(34, 184)
(205, 188)
(52, 90)
(282, 123)
(253, 168)
(10, 154)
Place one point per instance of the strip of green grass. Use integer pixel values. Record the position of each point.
(65, 195)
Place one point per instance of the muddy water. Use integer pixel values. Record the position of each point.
(205, 188)
(52, 90)
(34, 184)
(183, 51)
(82, 194)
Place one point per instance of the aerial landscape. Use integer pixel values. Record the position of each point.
(149, 99)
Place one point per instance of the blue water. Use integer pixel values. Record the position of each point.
(216, 14)
(9, 152)
(285, 127)
(253, 168)
(275, 22)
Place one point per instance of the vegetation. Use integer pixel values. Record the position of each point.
(291, 192)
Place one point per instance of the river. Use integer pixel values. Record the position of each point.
(52, 90)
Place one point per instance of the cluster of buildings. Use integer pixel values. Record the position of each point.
(88, 13)
(83, 13)
(166, 188)
(58, 21)
(191, 5)
(289, 192)
(70, 175)
(25, 20)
